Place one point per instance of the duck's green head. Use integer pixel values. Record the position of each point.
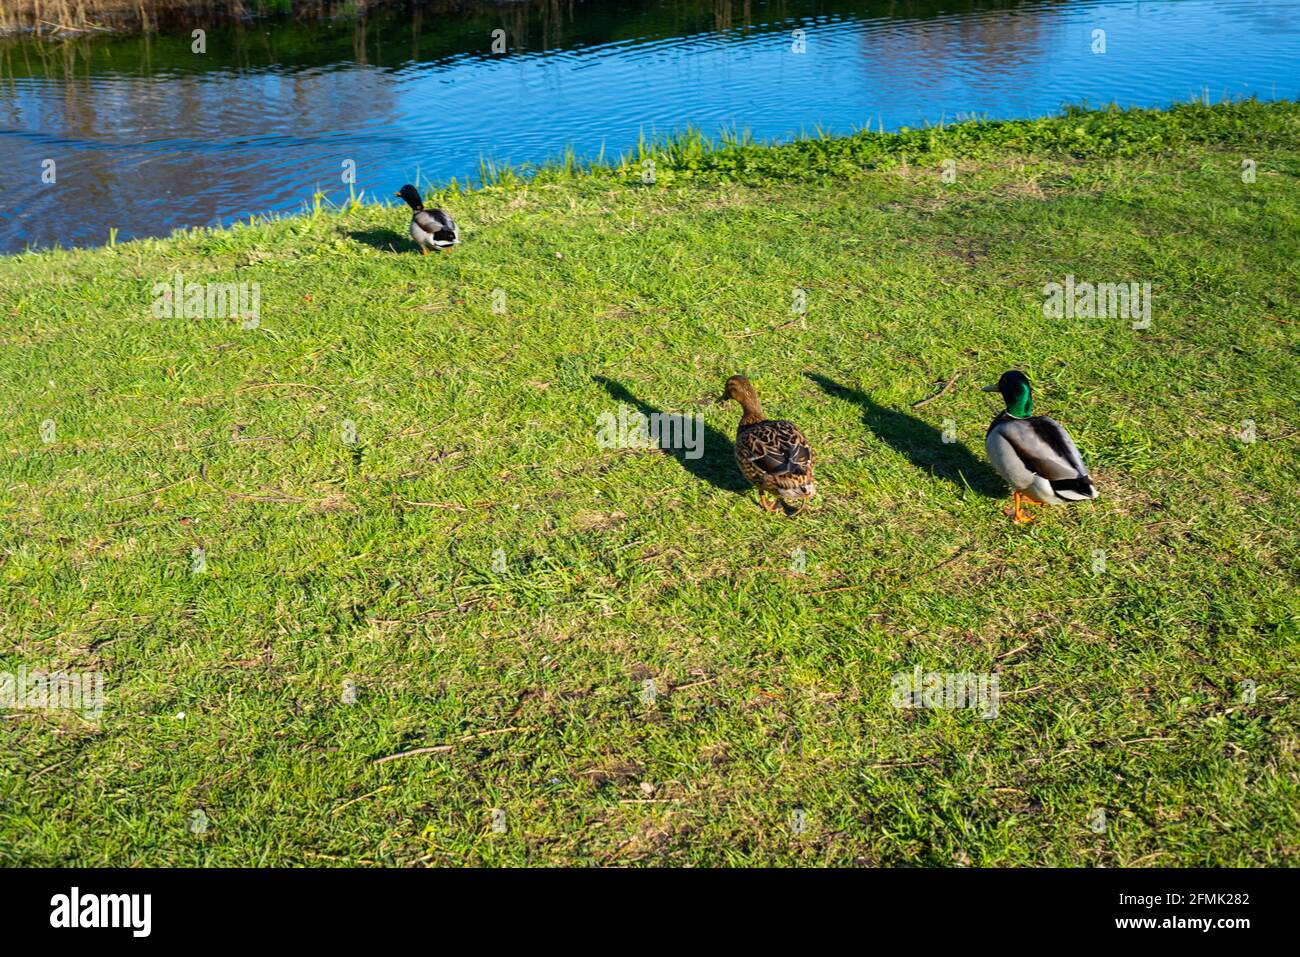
(412, 196)
(1016, 391)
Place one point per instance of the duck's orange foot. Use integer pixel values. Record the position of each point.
(1017, 514)
(768, 506)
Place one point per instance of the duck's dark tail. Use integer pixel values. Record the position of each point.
(1076, 489)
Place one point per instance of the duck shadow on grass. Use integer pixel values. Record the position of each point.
(385, 240)
(717, 464)
(921, 442)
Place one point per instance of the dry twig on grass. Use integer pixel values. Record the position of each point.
(942, 392)
(443, 748)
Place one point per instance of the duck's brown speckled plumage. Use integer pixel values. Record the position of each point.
(772, 454)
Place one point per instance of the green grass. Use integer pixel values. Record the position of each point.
(373, 562)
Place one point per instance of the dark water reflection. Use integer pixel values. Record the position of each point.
(148, 136)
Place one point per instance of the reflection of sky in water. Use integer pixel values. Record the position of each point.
(148, 154)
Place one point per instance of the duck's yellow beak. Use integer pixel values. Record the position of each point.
(989, 388)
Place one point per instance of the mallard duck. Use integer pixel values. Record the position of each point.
(772, 454)
(430, 228)
(1033, 452)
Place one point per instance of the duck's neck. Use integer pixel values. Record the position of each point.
(753, 411)
(1020, 405)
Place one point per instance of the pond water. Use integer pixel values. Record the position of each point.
(147, 136)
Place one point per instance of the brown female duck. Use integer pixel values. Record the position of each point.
(772, 454)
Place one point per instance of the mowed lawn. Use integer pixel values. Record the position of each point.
(474, 574)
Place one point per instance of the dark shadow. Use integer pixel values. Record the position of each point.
(385, 240)
(717, 465)
(921, 442)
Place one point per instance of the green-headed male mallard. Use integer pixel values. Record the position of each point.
(430, 228)
(772, 454)
(1033, 452)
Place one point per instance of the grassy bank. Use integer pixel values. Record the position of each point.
(474, 575)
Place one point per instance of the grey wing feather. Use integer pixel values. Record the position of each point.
(1070, 451)
(1037, 446)
(430, 221)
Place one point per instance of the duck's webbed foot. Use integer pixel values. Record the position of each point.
(1017, 513)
